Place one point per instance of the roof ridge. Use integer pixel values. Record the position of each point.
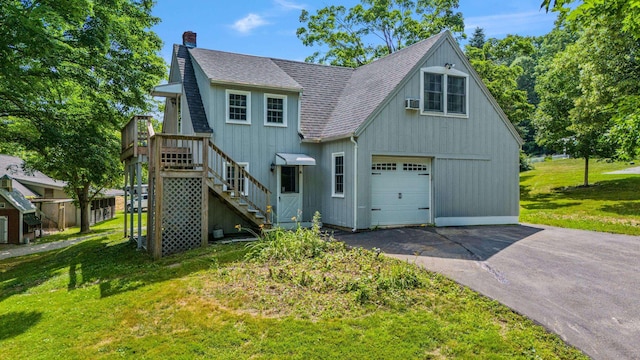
(270, 58)
(314, 64)
(405, 49)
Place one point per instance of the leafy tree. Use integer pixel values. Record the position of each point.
(375, 28)
(586, 88)
(627, 12)
(620, 21)
(494, 63)
(72, 74)
(478, 39)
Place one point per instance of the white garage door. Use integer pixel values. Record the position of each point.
(400, 191)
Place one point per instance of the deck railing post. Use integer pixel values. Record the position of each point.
(205, 189)
(157, 248)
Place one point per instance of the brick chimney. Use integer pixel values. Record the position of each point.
(189, 39)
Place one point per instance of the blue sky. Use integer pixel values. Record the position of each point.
(268, 27)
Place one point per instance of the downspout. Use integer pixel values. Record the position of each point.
(355, 184)
(299, 112)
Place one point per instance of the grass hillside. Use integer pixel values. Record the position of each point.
(293, 297)
(553, 194)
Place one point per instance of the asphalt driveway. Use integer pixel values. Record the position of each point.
(582, 285)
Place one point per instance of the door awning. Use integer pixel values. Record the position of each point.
(31, 219)
(170, 90)
(294, 159)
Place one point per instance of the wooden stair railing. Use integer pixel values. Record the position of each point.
(134, 137)
(228, 179)
(241, 185)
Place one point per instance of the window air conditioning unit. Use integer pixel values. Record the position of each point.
(412, 104)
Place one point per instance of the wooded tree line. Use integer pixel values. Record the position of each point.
(574, 90)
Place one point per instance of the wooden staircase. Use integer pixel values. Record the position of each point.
(243, 193)
(183, 171)
(185, 154)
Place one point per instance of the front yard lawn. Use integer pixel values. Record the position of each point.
(103, 299)
(553, 194)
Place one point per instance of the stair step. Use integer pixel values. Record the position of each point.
(253, 211)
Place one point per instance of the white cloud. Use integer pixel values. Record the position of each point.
(248, 23)
(523, 23)
(290, 5)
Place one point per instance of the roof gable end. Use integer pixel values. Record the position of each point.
(372, 85)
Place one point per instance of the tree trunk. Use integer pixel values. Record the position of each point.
(83, 202)
(586, 171)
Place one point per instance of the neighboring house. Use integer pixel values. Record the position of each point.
(412, 138)
(18, 220)
(54, 207)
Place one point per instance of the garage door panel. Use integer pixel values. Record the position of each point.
(397, 182)
(401, 217)
(416, 200)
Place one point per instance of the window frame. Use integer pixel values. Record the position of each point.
(295, 177)
(334, 174)
(245, 166)
(268, 96)
(229, 92)
(441, 70)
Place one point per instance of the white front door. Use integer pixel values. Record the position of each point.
(400, 191)
(4, 230)
(289, 193)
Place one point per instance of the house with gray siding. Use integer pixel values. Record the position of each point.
(412, 138)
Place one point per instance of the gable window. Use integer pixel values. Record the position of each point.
(275, 110)
(337, 174)
(238, 107)
(444, 92)
(456, 95)
(433, 92)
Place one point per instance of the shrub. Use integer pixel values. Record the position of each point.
(281, 244)
(309, 259)
(525, 164)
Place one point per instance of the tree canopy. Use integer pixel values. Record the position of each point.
(590, 91)
(477, 39)
(72, 73)
(626, 12)
(374, 28)
(496, 65)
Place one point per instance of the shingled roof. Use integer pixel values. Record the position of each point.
(190, 85)
(371, 84)
(12, 166)
(17, 200)
(322, 87)
(229, 68)
(336, 101)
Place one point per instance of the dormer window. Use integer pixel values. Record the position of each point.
(238, 107)
(444, 92)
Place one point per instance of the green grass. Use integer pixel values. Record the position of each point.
(105, 227)
(292, 297)
(553, 194)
